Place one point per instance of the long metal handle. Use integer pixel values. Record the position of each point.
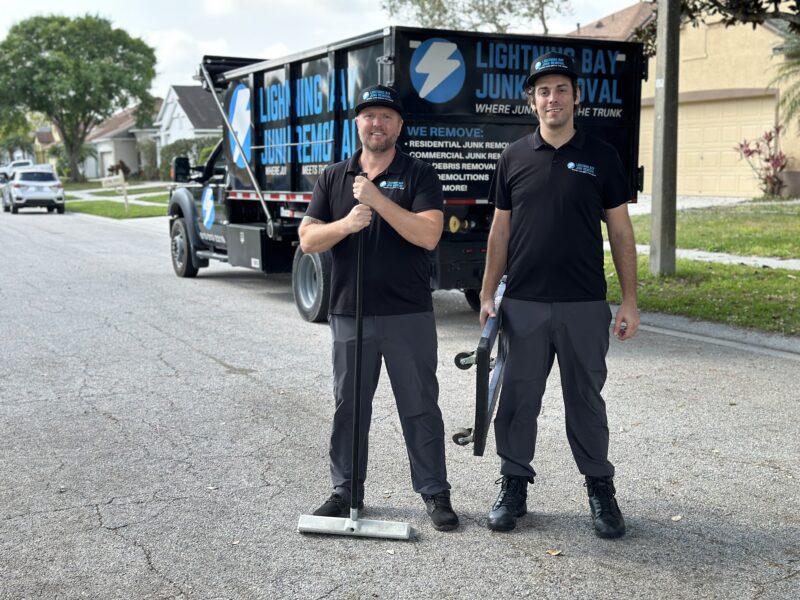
(355, 465)
(210, 83)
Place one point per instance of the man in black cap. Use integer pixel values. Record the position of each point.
(399, 201)
(551, 189)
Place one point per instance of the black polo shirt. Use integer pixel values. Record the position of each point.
(557, 198)
(396, 272)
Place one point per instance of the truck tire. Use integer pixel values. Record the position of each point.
(311, 284)
(473, 299)
(181, 250)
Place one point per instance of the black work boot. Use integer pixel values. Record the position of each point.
(510, 504)
(606, 516)
(336, 506)
(441, 512)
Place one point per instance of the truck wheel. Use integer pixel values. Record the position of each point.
(14, 210)
(311, 284)
(6, 208)
(181, 250)
(473, 299)
(60, 210)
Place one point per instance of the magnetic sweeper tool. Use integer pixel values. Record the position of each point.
(393, 530)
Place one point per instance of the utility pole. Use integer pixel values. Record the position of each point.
(665, 152)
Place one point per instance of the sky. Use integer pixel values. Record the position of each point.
(182, 32)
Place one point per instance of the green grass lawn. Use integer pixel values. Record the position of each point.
(748, 229)
(115, 210)
(117, 192)
(83, 185)
(761, 298)
(161, 198)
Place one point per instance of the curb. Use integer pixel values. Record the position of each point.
(771, 344)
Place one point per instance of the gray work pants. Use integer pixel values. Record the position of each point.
(408, 344)
(576, 332)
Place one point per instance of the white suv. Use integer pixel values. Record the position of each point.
(13, 165)
(33, 187)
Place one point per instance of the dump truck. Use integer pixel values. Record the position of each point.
(285, 120)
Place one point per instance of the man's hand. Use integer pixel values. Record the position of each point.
(366, 193)
(487, 310)
(359, 217)
(627, 321)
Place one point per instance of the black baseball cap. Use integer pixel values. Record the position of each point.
(379, 95)
(550, 63)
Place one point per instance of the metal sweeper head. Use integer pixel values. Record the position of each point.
(392, 530)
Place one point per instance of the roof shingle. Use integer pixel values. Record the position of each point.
(119, 122)
(619, 25)
(199, 106)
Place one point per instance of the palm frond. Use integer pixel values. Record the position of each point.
(788, 79)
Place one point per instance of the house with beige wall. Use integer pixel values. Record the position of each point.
(44, 138)
(725, 97)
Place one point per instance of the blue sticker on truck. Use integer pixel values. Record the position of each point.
(209, 212)
(241, 120)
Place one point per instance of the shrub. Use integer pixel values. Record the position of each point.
(202, 157)
(62, 162)
(120, 168)
(765, 160)
(149, 159)
(190, 148)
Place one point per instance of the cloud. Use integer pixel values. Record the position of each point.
(178, 53)
(277, 50)
(216, 8)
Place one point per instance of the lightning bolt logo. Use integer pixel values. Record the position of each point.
(209, 212)
(437, 70)
(240, 120)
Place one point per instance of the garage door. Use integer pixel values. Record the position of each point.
(105, 162)
(708, 165)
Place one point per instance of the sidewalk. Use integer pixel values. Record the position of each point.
(793, 264)
(644, 207)
(88, 195)
(644, 204)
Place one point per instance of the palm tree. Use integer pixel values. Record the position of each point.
(789, 73)
(16, 142)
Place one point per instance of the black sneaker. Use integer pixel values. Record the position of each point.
(336, 506)
(606, 516)
(510, 504)
(441, 512)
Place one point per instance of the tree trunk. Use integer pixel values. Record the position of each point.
(74, 157)
(541, 14)
(72, 148)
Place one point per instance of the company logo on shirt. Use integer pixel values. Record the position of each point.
(240, 120)
(392, 185)
(582, 168)
(437, 70)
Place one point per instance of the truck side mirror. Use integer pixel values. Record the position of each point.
(181, 169)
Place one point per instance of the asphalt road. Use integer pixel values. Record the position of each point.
(159, 438)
